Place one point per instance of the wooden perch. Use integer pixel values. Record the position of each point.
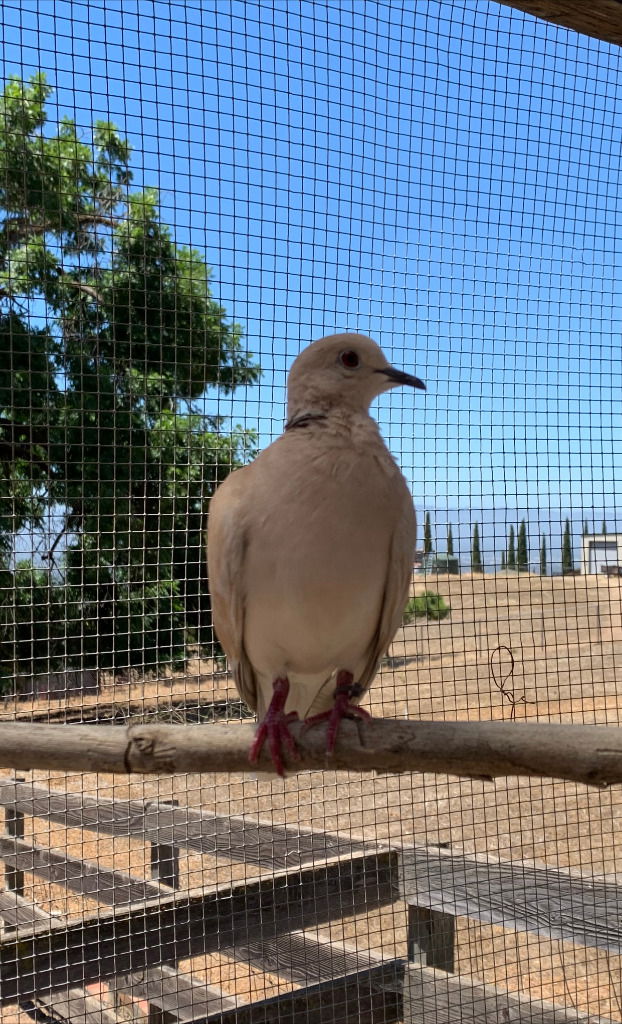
(601, 19)
(591, 754)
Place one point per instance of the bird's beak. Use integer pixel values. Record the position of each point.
(399, 377)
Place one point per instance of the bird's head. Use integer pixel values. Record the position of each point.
(342, 370)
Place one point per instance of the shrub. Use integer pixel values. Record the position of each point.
(428, 605)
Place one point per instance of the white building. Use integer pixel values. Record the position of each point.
(602, 553)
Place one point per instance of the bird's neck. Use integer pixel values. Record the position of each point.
(330, 418)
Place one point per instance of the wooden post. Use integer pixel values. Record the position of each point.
(165, 870)
(14, 822)
(431, 936)
(165, 857)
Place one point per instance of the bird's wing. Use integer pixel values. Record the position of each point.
(396, 587)
(226, 549)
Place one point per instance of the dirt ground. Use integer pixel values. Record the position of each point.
(513, 646)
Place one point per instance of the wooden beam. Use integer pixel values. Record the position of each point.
(590, 754)
(236, 838)
(370, 996)
(601, 19)
(75, 1005)
(431, 995)
(297, 956)
(303, 958)
(124, 941)
(177, 995)
(114, 888)
(521, 897)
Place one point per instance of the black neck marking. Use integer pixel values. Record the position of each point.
(304, 419)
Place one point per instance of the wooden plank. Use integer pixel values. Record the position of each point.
(15, 911)
(113, 888)
(238, 838)
(601, 19)
(177, 995)
(78, 1007)
(370, 996)
(75, 1004)
(124, 941)
(431, 995)
(303, 958)
(517, 896)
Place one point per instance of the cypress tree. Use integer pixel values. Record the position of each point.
(427, 535)
(585, 529)
(503, 562)
(511, 550)
(450, 541)
(567, 556)
(603, 528)
(476, 556)
(543, 567)
(522, 555)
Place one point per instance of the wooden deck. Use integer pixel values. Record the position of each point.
(144, 928)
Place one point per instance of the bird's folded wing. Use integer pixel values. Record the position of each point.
(226, 550)
(397, 583)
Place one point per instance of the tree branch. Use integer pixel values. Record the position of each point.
(591, 754)
(80, 285)
(15, 228)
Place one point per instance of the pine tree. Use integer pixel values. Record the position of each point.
(427, 535)
(511, 550)
(543, 567)
(450, 541)
(522, 554)
(476, 556)
(567, 556)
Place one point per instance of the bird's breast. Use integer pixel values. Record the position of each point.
(319, 561)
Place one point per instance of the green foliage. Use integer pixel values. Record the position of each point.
(428, 544)
(33, 613)
(476, 557)
(511, 550)
(567, 554)
(109, 332)
(603, 528)
(585, 529)
(503, 562)
(522, 552)
(428, 605)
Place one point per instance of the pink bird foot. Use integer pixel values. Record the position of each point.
(345, 691)
(275, 729)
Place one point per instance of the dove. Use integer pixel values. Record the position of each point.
(310, 549)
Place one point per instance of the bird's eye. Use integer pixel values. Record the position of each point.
(349, 359)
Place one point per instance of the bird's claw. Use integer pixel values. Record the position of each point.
(342, 708)
(275, 730)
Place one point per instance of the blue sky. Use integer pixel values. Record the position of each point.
(445, 176)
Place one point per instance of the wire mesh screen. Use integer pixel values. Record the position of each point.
(191, 193)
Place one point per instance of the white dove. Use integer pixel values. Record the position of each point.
(310, 549)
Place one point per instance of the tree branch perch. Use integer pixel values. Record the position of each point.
(591, 754)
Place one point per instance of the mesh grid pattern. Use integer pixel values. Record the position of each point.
(234, 180)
